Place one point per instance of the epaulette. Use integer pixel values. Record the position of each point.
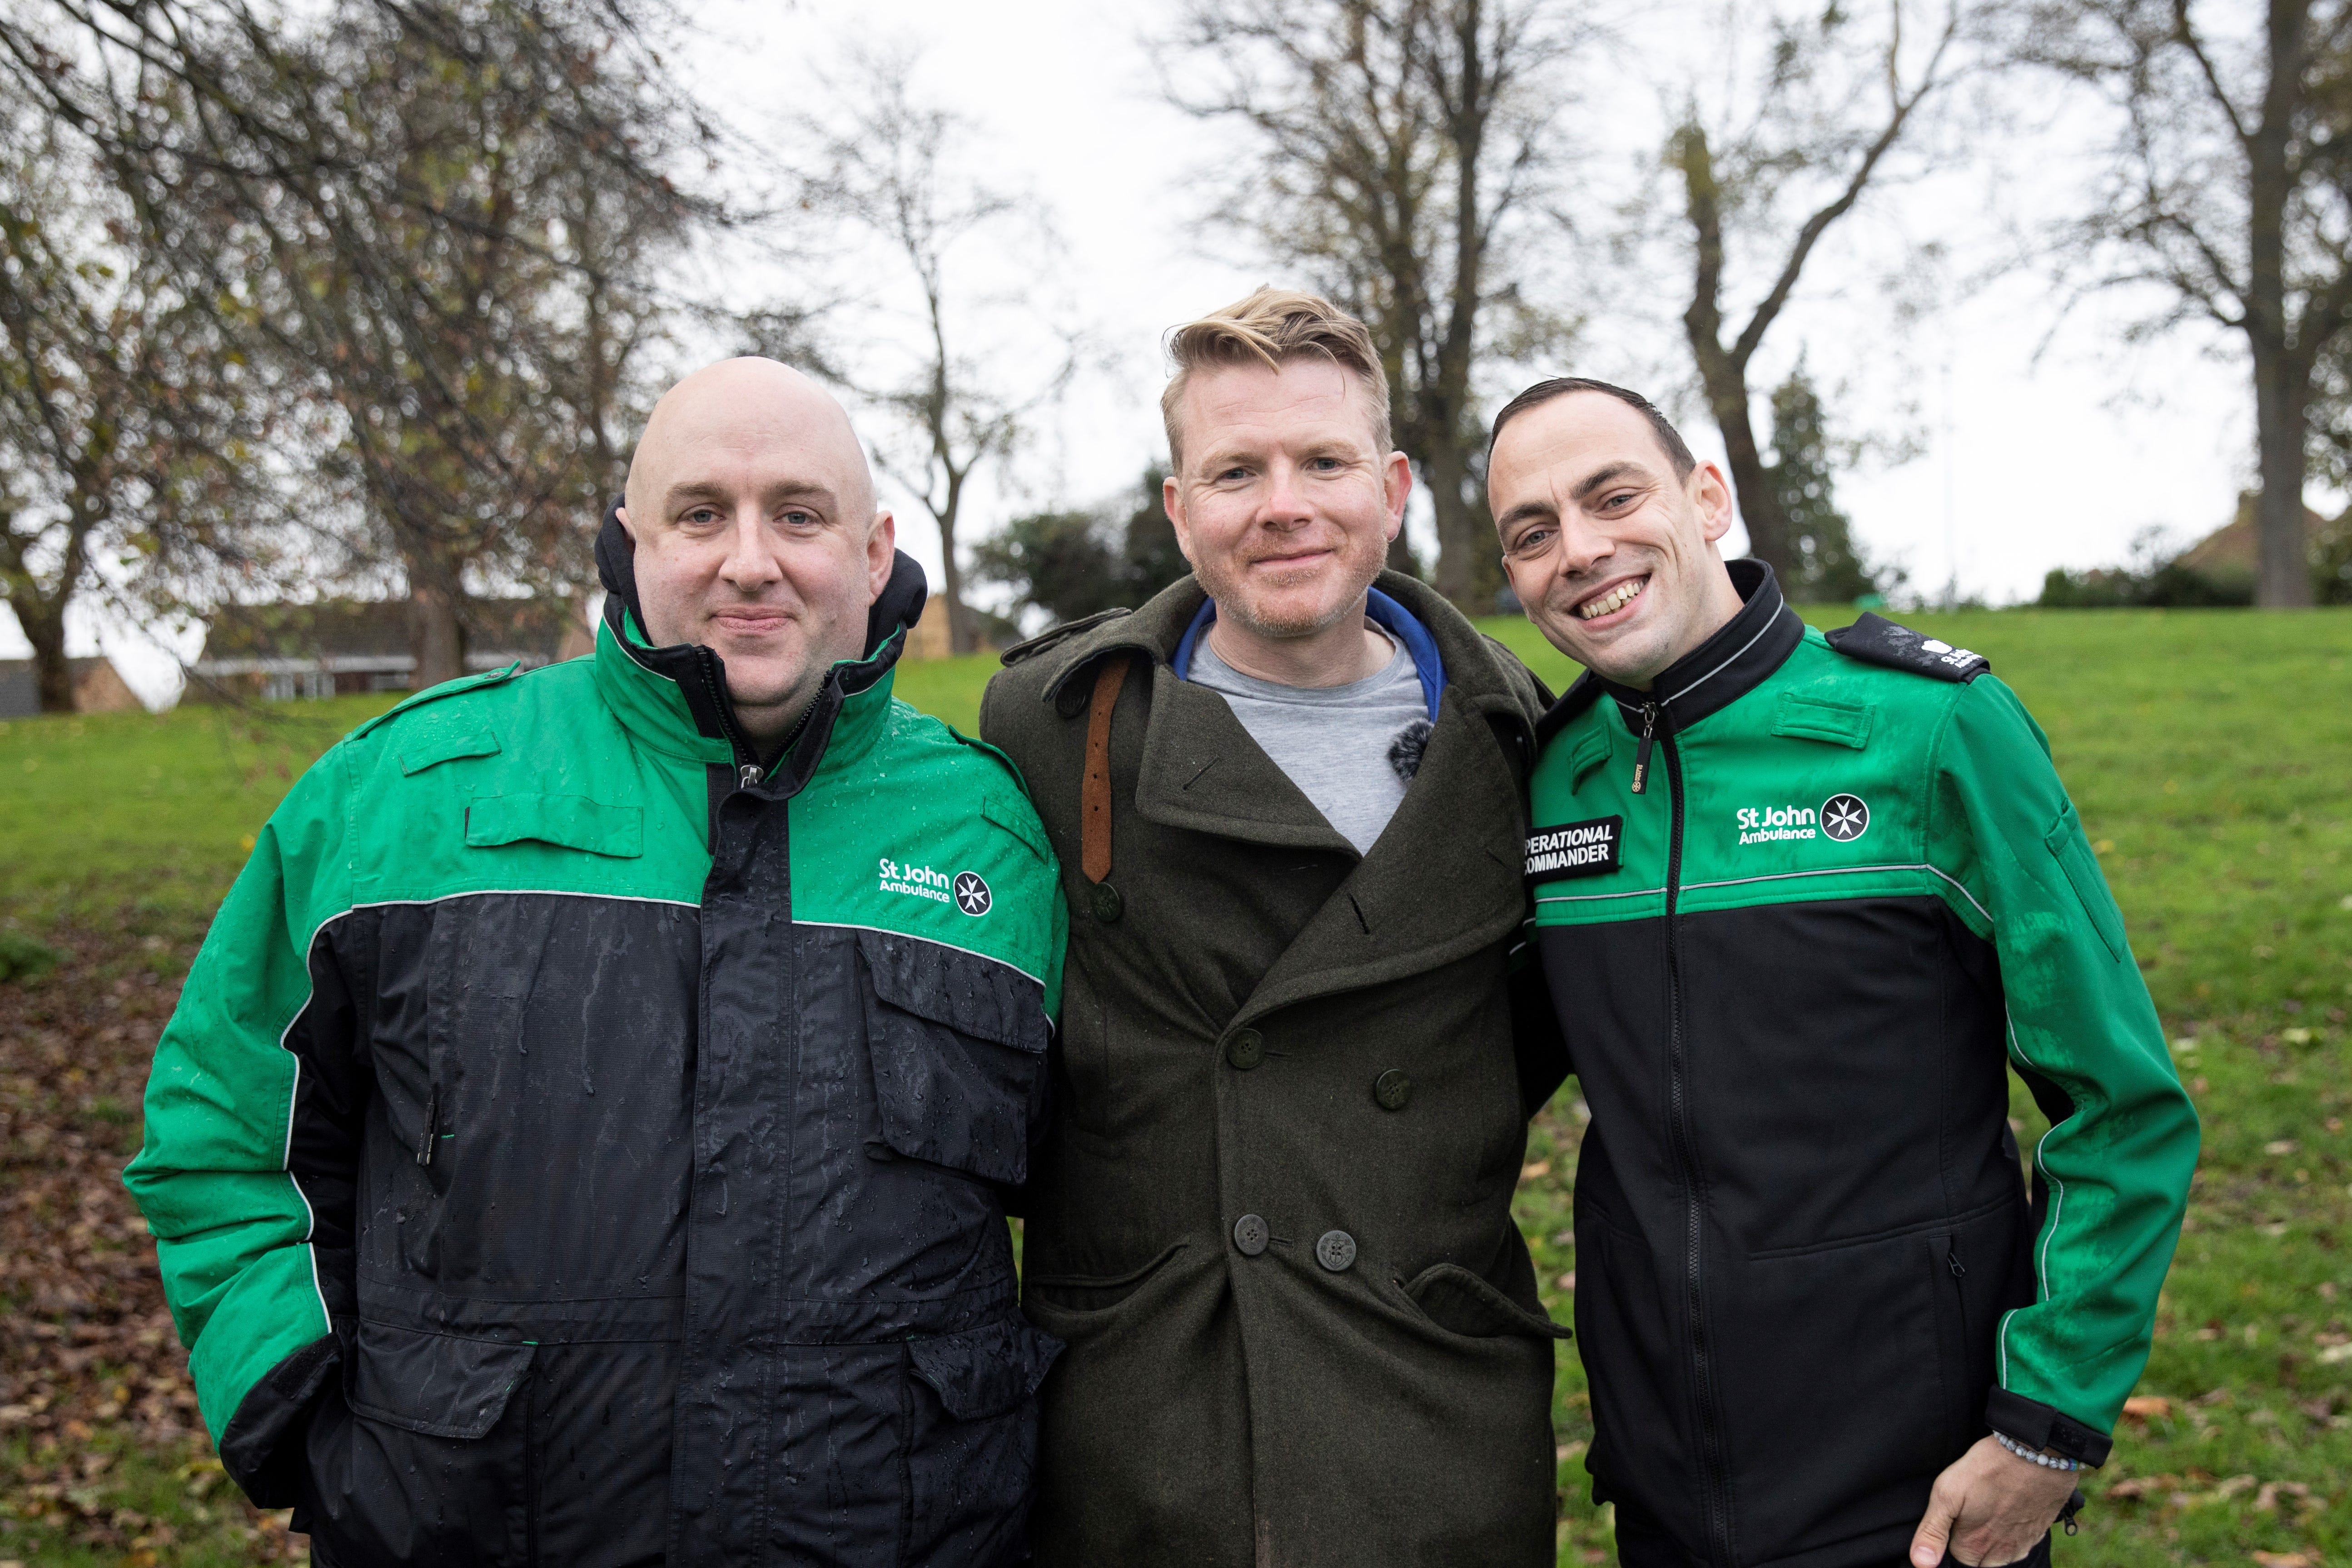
(1874, 639)
(1581, 694)
(1067, 629)
(435, 694)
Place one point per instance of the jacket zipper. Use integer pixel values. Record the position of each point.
(1642, 751)
(1714, 1483)
(748, 770)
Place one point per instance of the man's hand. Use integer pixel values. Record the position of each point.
(1990, 1507)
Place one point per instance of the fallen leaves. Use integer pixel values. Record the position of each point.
(2143, 1409)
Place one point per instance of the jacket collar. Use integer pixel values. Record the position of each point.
(1740, 656)
(1381, 610)
(674, 699)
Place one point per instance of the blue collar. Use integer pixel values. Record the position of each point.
(1386, 613)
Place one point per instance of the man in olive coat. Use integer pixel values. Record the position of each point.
(1273, 1220)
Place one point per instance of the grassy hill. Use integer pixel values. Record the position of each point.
(2210, 753)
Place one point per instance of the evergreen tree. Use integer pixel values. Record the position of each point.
(1825, 567)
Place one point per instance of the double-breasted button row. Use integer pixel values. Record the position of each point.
(1334, 1249)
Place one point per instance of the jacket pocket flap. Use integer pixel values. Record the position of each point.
(1453, 1297)
(1818, 719)
(569, 821)
(970, 995)
(429, 750)
(1016, 818)
(988, 1371)
(1591, 750)
(439, 1385)
(2075, 858)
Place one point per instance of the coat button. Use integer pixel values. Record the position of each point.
(1334, 1250)
(1392, 1090)
(1107, 903)
(1246, 1049)
(1250, 1235)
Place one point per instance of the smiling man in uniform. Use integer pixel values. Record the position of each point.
(582, 1136)
(1802, 900)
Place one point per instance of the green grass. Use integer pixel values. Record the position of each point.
(2210, 755)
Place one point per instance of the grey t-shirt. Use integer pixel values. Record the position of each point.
(1351, 749)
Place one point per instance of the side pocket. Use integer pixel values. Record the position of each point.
(971, 1443)
(957, 1045)
(1460, 1301)
(1947, 1273)
(2073, 852)
(438, 1385)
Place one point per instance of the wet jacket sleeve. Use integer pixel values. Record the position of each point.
(2111, 1178)
(245, 1172)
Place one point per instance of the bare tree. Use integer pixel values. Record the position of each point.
(1836, 94)
(1406, 149)
(438, 217)
(2228, 196)
(126, 429)
(959, 398)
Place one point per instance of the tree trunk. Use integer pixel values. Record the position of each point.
(436, 638)
(1457, 528)
(1760, 507)
(2280, 399)
(963, 627)
(2281, 362)
(44, 625)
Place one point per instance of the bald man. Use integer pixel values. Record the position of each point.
(582, 1137)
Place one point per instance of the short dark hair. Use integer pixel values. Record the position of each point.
(1678, 451)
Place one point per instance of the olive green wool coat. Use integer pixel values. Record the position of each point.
(1223, 1405)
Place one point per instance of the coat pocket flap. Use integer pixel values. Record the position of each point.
(984, 1372)
(439, 1385)
(430, 750)
(1454, 1298)
(1818, 718)
(569, 821)
(970, 995)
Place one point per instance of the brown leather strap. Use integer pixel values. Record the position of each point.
(1094, 798)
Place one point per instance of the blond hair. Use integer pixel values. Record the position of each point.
(1273, 326)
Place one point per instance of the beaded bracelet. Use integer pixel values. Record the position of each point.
(2046, 1461)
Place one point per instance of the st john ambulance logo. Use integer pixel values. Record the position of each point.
(1844, 817)
(971, 894)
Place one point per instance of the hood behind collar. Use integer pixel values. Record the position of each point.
(900, 603)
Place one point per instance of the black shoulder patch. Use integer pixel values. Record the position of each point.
(1874, 639)
(1062, 633)
(1581, 694)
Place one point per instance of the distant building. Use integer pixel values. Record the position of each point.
(339, 647)
(2234, 550)
(97, 687)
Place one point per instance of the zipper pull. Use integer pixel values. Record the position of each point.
(432, 1121)
(1642, 752)
(749, 775)
(1952, 1259)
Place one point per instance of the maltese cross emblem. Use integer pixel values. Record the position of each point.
(971, 893)
(1844, 817)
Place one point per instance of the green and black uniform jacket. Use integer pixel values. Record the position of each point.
(581, 1140)
(1273, 1218)
(1798, 906)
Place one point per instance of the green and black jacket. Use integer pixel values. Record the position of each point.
(1799, 905)
(581, 1140)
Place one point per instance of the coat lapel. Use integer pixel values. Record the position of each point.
(1442, 881)
(1202, 769)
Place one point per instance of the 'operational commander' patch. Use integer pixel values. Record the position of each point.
(1574, 849)
(1874, 639)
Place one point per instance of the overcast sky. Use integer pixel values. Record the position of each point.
(2035, 448)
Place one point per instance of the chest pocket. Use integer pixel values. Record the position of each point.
(567, 821)
(958, 1044)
